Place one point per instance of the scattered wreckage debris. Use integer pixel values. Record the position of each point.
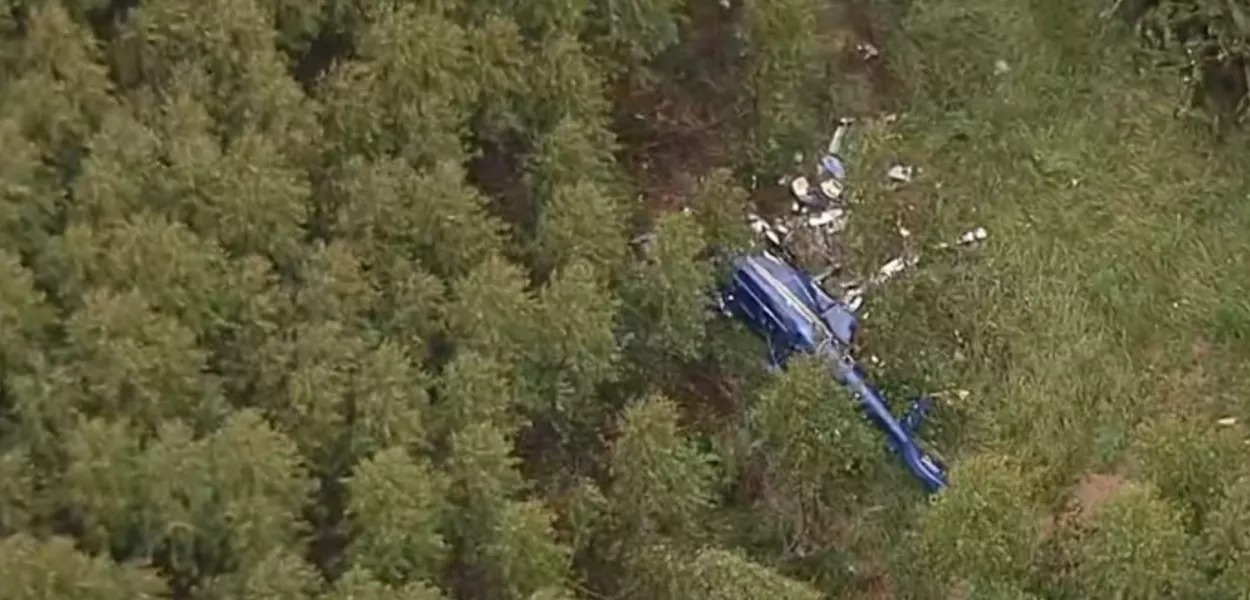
(867, 51)
(820, 210)
(901, 173)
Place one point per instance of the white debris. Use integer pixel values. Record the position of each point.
(839, 137)
(1001, 67)
(834, 219)
(801, 188)
(976, 235)
(867, 51)
(1227, 421)
(854, 303)
(901, 173)
(757, 224)
(894, 267)
(904, 232)
(831, 189)
(644, 239)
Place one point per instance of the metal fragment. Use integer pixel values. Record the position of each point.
(901, 173)
(831, 190)
(971, 237)
(839, 137)
(834, 219)
(892, 268)
(833, 166)
(801, 188)
(867, 51)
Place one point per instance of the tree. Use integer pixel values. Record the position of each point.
(338, 398)
(119, 175)
(1137, 549)
(811, 426)
(225, 500)
(633, 32)
(176, 271)
(524, 553)
(667, 572)
(39, 569)
(577, 349)
(409, 95)
(57, 88)
(986, 529)
(252, 199)
(123, 358)
(360, 584)
(29, 197)
(24, 315)
(491, 312)
(568, 83)
(474, 388)
(717, 574)
(17, 491)
(106, 488)
(434, 217)
(484, 476)
(280, 575)
(661, 482)
(569, 154)
(572, 150)
(506, 546)
(817, 445)
(396, 506)
(225, 53)
(503, 61)
(408, 308)
(333, 285)
(720, 206)
(666, 299)
(783, 80)
(582, 221)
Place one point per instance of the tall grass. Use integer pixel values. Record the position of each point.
(1113, 287)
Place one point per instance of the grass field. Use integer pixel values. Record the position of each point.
(1113, 289)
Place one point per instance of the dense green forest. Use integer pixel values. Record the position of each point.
(337, 300)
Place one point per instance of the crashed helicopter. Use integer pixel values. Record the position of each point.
(793, 313)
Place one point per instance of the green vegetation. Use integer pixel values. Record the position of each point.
(336, 300)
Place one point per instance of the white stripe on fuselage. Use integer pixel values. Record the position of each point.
(796, 303)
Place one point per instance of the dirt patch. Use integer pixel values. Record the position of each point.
(1085, 498)
(1094, 490)
(850, 25)
(670, 144)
